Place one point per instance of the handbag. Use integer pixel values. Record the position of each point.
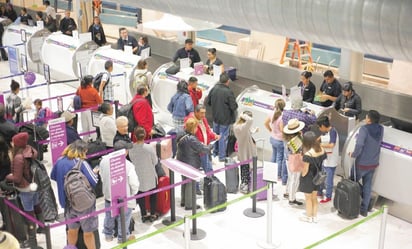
(158, 131)
(295, 162)
(320, 177)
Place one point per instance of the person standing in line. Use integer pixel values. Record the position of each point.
(7, 128)
(144, 158)
(71, 132)
(67, 24)
(70, 157)
(292, 131)
(90, 99)
(312, 163)
(142, 75)
(180, 105)
(349, 102)
(366, 153)
(187, 52)
(330, 143)
(126, 40)
(142, 111)
(308, 89)
(107, 124)
(247, 147)
(21, 177)
(97, 32)
(189, 149)
(132, 187)
(224, 110)
(106, 91)
(274, 125)
(329, 90)
(195, 92)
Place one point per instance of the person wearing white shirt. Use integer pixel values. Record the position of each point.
(49, 9)
(107, 124)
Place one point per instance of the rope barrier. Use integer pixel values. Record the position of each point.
(11, 76)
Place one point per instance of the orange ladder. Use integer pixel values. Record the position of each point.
(302, 50)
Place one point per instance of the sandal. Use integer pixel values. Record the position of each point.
(153, 217)
(146, 218)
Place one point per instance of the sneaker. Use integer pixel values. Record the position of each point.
(108, 238)
(295, 202)
(326, 200)
(315, 219)
(286, 196)
(306, 219)
(364, 213)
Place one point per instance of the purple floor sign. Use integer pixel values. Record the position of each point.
(58, 137)
(118, 177)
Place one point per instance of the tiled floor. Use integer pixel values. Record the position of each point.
(231, 228)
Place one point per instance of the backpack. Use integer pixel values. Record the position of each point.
(140, 78)
(98, 79)
(77, 102)
(39, 174)
(78, 191)
(127, 111)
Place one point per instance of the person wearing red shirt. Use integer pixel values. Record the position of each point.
(194, 91)
(204, 134)
(142, 111)
(90, 99)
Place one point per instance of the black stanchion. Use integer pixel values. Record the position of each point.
(116, 107)
(196, 234)
(48, 237)
(172, 219)
(122, 221)
(254, 212)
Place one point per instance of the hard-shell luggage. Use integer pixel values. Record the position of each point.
(214, 193)
(347, 199)
(163, 197)
(14, 222)
(232, 177)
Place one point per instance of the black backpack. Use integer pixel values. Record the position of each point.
(39, 174)
(127, 111)
(98, 79)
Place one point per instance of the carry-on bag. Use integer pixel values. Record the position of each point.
(214, 193)
(231, 176)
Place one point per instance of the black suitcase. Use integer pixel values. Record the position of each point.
(14, 223)
(214, 193)
(347, 199)
(232, 177)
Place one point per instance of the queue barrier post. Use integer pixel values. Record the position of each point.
(187, 232)
(268, 244)
(254, 212)
(383, 227)
(48, 237)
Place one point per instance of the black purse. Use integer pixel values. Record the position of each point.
(320, 177)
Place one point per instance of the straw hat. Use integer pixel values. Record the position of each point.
(8, 241)
(294, 125)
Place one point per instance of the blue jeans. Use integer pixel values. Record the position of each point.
(285, 166)
(366, 189)
(205, 163)
(278, 156)
(29, 200)
(220, 146)
(330, 173)
(109, 222)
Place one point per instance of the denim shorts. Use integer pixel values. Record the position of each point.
(29, 200)
(89, 224)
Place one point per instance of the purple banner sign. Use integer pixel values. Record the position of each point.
(397, 149)
(58, 137)
(183, 168)
(118, 177)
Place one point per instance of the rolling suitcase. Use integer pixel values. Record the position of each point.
(163, 197)
(14, 223)
(232, 177)
(347, 199)
(214, 193)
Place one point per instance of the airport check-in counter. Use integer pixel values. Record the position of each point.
(122, 63)
(34, 40)
(261, 102)
(164, 87)
(66, 55)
